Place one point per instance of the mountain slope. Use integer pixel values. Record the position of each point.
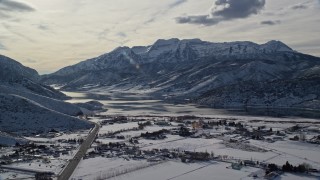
(12, 70)
(9, 140)
(27, 106)
(14, 74)
(22, 116)
(50, 103)
(299, 93)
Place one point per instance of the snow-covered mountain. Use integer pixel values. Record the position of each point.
(299, 92)
(12, 70)
(10, 140)
(14, 74)
(23, 116)
(186, 68)
(27, 106)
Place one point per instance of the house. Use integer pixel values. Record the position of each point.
(236, 166)
(249, 163)
(199, 156)
(277, 138)
(120, 137)
(65, 152)
(271, 175)
(154, 159)
(56, 155)
(163, 123)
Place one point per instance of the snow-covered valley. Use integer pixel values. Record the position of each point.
(140, 112)
(126, 111)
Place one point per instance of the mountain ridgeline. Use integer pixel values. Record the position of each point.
(216, 74)
(29, 107)
(14, 75)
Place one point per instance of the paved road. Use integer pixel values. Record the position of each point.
(67, 172)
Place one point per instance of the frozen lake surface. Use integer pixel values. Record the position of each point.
(139, 104)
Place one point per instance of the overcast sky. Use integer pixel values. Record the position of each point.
(50, 34)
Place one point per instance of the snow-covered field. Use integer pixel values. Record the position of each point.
(292, 151)
(94, 168)
(289, 176)
(146, 129)
(180, 171)
(9, 175)
(66, 136)
(55, 165)
(116, 127)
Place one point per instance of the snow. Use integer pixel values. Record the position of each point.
(180, 171)
(65, 136)
(50, 103)
(8, 140)
(54, 166)
(89, 169)
(13, 70)
(117, 127)
(24, 116)
(146, 129)
(289, 176)
(15, 175)
(294, 152)
(204, 145)
(162, 46)
(178, 142)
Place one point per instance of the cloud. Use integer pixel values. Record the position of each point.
(169, 7)
(15, 32)
(11, 5)
(177, 3)
(225, 10)
(299, 6)
(30, 61)
(270, 22)
(201, 19)
(103, 34)
(3, 15)
(121, 34)
(2, 47)
(43, 27)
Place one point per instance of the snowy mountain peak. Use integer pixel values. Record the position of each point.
(196, 40)
(164, 42)
(11, 70)
(121, 49)
(162, 46)
(274, 45)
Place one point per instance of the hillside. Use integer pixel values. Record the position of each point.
(29, 107)
(9, 140)
(22, 116)
(48, 102)
(15, 75)
(297, 93)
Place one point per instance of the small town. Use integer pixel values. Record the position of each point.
(156, 140)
